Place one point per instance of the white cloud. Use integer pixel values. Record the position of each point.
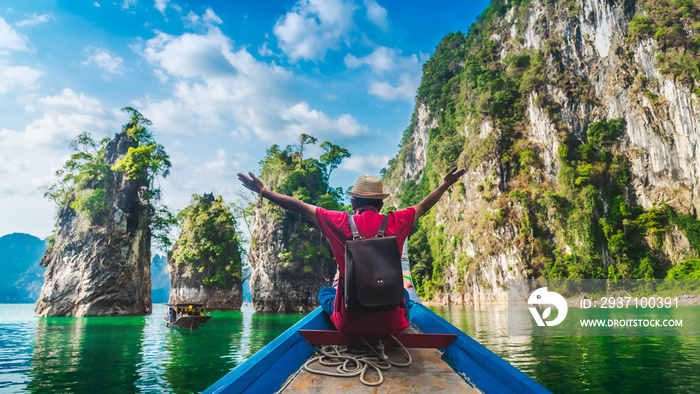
(405, 89)
(96, 4)
(218, 89)
(265, 51)
(302, 119)
(10, 39)
(395, 77)
(35, 19)
(313, 27)
(224, 166)
(161, 5)
(32, 154)
(370, 164)
(208, 20)
(128, 3)
(383, 60)
(102, 58)
(192, 55)
(377, 14)
(13, 76)
(161, 75)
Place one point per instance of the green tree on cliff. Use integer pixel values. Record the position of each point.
(333, 157)
(585, 223)
(86, 179)
(210, 241)
(308, 181)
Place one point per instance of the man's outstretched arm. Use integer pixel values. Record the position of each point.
(428, 202)
(290, 203)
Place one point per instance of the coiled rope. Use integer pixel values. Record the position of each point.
(349, 364)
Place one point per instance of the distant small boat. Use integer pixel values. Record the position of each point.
(189, 316)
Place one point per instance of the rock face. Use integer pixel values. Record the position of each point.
(102, 270)
(281, 281)
(187, 287)
(592, 70)
(195, 281)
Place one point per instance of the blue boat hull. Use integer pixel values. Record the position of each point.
(270, 368)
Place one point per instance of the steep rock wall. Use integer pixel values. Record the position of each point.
(281, 279)
(187, 287)
(592, 71)
(102, 270)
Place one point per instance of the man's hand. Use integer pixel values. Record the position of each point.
(453, 176)
(253, 183)
(428, 202)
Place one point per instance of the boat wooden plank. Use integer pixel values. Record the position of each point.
(467, 362)
(484, 368)
(428, 373)
(409, 340)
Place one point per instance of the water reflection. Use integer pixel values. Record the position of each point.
(593, 364)
(127, 354)
(266, 327)
(88, 354)
(16, 342)
(198, 358)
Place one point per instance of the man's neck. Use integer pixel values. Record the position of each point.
(366, 208)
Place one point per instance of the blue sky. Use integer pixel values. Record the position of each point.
(221, 81)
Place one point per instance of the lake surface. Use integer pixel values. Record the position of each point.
(126, 354)
(139, 354)
(599, 364)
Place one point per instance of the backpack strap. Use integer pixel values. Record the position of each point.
(382, 228)
(356, 234)
(353, 228)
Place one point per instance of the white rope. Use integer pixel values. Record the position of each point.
(350, 364)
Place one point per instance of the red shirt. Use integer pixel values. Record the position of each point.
(336, 227)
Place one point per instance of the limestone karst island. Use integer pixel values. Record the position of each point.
(177, 183)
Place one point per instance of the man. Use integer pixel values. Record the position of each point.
(367, 200)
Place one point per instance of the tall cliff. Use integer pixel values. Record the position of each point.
(289, 257)
(206, 262)
(578, 124)
(99, 258)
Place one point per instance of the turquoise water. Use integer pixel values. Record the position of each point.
(601, 364)
(126, 354)
(139, 354)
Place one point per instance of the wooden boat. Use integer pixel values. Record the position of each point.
(464, 366)
(189, 316)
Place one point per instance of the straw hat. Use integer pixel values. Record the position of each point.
(369, 187)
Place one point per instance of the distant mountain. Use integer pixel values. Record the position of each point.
(160, 280)
(22, 277)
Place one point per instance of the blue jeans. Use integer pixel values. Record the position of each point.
(327, 296)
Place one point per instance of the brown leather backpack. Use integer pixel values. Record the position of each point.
(373, 277)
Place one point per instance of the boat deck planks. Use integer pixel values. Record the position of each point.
(428, 373)
(277, 365)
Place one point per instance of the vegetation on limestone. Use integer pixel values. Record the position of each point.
(674, 25)
(87, 180)
(210, 241)
(284, 171)
(587, 224)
